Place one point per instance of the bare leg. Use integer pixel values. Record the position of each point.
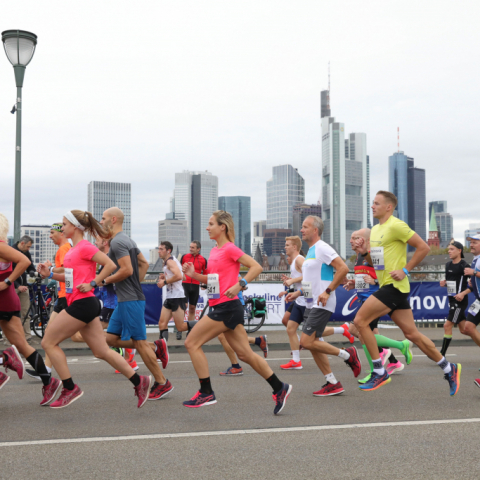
(228, 349)
(292, 335)
(191, 312)
(13, 331)
(470, 329)
(148, 356)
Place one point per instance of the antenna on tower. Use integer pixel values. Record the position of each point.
(398, 138)
(328, 94)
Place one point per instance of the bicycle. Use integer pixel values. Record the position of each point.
(41, 304)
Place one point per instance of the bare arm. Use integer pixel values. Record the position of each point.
(11, 255)
(142, 266)
(254, 270)
(421, 251)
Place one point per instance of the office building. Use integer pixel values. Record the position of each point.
(438, 206)
(259, 228)
(444, 221)
(239, 208)
(285, 189)
(300, 212)
(104, 195)
(43, 248)
(194, 200)
(175, 232)
(257, 241)
(473, 229)
(153, 256)
(274, 240)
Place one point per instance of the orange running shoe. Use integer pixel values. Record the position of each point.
(133, 365)
(292, 365)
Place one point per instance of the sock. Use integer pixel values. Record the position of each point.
(378, 367)
(331, 378)
(205, 386)
(36, 361)
(446, 342)
(68, 384)
(343, 354)
(296, 355)
(392, 359)
(369, 358)
(49, 370)
(236, 365)
(275, 383)
(339, 330)
(320, 339)
(164, 334)
(135, 379)
(1, 359)
(389, 343)
(258, 341)
(444, 364)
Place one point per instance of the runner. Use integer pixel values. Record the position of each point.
(388, 255)
(457, 292)
(318, 288)
(10, 322)
(126, 328)
(82, 313)
(226, 315)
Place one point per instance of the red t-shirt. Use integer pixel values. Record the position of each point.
(199, 263)
(79, 259)
(224, 261)
(9, 301)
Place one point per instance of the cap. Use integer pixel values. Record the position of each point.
(474, 237)
(458, 245)
(57, 227)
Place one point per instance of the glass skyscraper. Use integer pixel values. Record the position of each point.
(239, 208)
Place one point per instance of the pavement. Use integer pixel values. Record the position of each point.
(410, 428)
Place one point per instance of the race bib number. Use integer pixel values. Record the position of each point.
(474, 308)
(376, 255)
(451, 288)
(69, 280)
(360, 284)
(307, 294)
(213, 286)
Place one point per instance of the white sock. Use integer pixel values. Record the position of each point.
(49, 370)
(155, 346)
(378, 367)
(338, 330)
(321, 339)
(296, 355)
(343, 354)
(1, 360)
(134, 351)
(331, 378)
(444, 364)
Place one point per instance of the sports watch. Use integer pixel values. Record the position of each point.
(328, 290)
(243, 283)
(93, 283)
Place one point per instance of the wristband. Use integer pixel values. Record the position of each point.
(405, 271)
(51, 274)
(51, 269)
(301, 292)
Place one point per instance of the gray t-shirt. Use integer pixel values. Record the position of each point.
(130, 288)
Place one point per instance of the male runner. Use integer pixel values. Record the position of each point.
(318, 288)
(388, 255)
(126, 328)
(457, 291)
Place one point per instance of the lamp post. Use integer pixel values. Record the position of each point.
(19, 46)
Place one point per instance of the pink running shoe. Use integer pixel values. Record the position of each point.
(385, 355)
(67, 397)
(3, 379)
(143, 390)
(346, 333)
(14, 361)
(162, 351)
(292, 365)
(50, 391)
(200, 400)
(394, 367)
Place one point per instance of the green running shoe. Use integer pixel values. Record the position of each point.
(120, 351)
(407, 351)
(366, 379)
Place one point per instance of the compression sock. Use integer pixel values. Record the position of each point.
(339, 330)
(378, 367)
(343, 354)
(68, 384)
(444, 364)
(236, 365)
(164, 334)
(389, 343)
(258, 341)
(446, 342)
(205, 386)
(369, 358)
(392, 359)
(36, 361)
(330, 378)
(296, 355)
(135, 379)
(275, 383)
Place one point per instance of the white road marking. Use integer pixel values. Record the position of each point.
(155, 436)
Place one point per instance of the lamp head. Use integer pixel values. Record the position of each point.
(19, 46)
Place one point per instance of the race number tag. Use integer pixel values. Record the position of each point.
(376, 255)
(474, 308)
(213, 286)
(451, 288)
(69, 280)
(360, 284)
(307, 294)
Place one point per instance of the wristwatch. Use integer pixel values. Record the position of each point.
(328, 290)
(93, 283)
(8, 281)
(243, 283)
(103, 282)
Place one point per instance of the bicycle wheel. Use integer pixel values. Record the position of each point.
(254, 324)
(39, 324)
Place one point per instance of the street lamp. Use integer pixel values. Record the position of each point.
(19, 46)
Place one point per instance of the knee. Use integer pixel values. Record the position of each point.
(306, 342)
(100, 354)
(469, 328)
(353, 330)
(291, 329)
(285, 321)
(111, 340)
(243, 357)
(412, 336)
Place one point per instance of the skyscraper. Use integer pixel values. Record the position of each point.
(259, 228)
(104, 195)
(285, 189)
(274, 240)
(239, 208)
(175, 232)
(444, 221)
(43, 248)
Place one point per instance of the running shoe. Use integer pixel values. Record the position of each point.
(3, 379)
(50, 391)
(159, 391)
(67, 397)
(200, 400)
(33, 374)
(394, 367)
(133, 364)
(385, 355)
(264, 345)
(329, 389)
(365, 379)
(179, 335)
(354, 361)
(454, 378)
(119, 350)
(407, 351)
(131, 354)
(292, 365)
(162, 351)
(280, 398)
(13, 361)
(476, 382)
(143, 389)
(376, 381)
(346, 333)
(232, 371)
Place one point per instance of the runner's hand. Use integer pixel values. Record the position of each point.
(349, 285)
(22, 289)
(43, 270)
(188, 268)
(459, 296)
(84, 287)
(48, 264)
(398, 275)
(292, 296)
(282, 293)
(323, 298)
(469, 272)
(232, 292)
(443, 283)
(369, 279)
(161, 283)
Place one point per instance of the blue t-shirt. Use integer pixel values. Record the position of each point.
(475, 281)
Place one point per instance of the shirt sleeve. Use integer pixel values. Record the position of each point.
(120, 249)
(326, 254)
(61, 255)
(403, 232)
(88, 251)
(234, 252)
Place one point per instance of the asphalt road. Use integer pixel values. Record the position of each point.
(410, 428)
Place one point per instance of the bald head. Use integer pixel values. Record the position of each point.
(364, 233)
(112, 220)
(115, 212)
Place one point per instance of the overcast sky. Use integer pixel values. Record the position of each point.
(136, 91)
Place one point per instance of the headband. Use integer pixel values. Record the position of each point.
(57, 227)
(72, 219)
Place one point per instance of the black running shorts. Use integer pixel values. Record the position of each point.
(105, 314)
(456, 312)
(474, 318)
(231, 313)
(290, 307)
(85, 309)
(393, 298)
(60, 304)
(192, 292)
(7, 316)
(174, 304)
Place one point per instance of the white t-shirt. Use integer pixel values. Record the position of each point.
(318, 271)
(175, 289)
(294, 273)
